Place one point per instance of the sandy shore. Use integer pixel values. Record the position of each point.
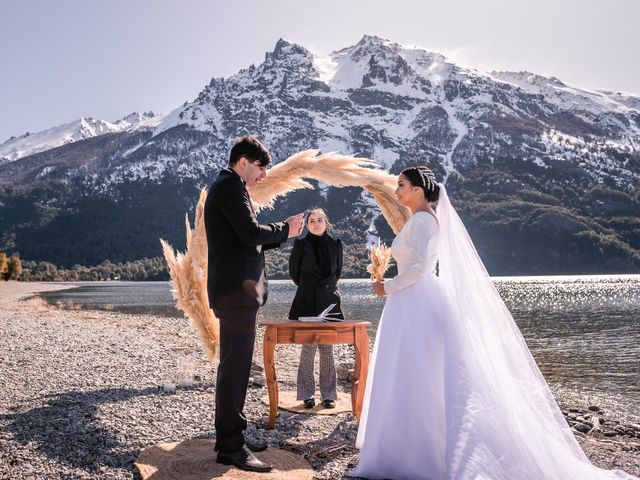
(82, 393)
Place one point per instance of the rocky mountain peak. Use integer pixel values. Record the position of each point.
(383, 52)
(285, 49)
(524, 77)
(290, 56)
(136, 117)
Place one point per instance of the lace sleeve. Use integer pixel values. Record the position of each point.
(421, 230)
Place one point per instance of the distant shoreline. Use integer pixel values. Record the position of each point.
(360, 279)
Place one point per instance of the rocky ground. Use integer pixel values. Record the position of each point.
(82, 392)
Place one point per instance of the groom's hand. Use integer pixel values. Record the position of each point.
(378, 288)
(296, 224)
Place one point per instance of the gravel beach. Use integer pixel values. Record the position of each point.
(82, 392)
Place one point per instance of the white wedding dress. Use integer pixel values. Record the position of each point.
(453, 391)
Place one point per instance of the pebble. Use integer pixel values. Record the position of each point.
(169, 387)
(83, 398)
(583, 427)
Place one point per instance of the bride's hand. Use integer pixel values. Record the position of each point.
(378, 288)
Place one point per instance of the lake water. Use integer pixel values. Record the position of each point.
(584, 331)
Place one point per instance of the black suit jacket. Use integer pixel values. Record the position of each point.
(315, 291)
(236, 242)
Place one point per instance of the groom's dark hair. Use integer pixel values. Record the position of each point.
(250, 148)
(422, 176)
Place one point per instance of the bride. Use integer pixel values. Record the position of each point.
(453, 391)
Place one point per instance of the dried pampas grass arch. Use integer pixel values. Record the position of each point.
(188, 270)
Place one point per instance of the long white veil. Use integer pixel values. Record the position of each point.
(500, 410)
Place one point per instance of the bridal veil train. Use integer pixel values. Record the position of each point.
(453, 391)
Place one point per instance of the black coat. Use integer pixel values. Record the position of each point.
(236, 243)
(315, 291)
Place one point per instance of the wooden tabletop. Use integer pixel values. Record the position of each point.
(298, 323)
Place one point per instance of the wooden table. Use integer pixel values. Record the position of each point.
(294, 331)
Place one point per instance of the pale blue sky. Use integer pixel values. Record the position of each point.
(63, 59)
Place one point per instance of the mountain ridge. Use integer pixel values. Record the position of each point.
(563, 160)
(83, 128)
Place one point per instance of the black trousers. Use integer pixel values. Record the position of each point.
(237, 336)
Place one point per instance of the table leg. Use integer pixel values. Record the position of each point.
(360, 370)
(269, 344)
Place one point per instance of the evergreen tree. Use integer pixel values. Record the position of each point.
(14, 268)
(4, 264)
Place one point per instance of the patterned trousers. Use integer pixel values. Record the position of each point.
(306, 380)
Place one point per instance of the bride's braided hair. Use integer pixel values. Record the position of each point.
(422, 176)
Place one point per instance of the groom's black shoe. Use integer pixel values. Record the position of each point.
(256, 446)
(329, 404)
(244, 460)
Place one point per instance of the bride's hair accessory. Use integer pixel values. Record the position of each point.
(422, 176)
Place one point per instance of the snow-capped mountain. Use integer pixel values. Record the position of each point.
(530, 158)
(81, 129)
(377, 98)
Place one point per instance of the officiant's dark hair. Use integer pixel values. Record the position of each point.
(252, 149)
(422, 176)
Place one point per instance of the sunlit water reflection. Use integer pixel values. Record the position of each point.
(584, 331)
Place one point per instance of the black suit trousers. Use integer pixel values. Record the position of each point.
(237, 335)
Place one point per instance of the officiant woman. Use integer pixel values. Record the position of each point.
(315, 266)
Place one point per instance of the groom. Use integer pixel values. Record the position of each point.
(237, 287)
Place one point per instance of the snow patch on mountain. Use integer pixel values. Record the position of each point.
(460, 130)
(203, 117)
(430, 65)
(385, 157)
(568, 97)
(336, 144)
